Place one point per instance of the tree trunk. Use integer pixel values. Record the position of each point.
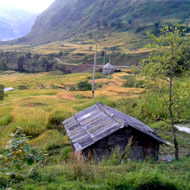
(172, 120)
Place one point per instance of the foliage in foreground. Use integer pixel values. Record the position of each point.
(18, 151)
(75, 175)
(22, 167)
(168, 58)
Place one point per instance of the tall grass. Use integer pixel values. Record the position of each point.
(78, 175)
(32, 120)
(50, 139)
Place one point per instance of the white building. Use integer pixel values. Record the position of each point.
(108, 69)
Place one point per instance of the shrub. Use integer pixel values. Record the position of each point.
(79, 96)
(140, 84)
(18, 151)
(99, 85)
(132, 82)
(6, 120)
(129, 83)
(22, 87)
(65, 152)
(2, 95)
(114, 158)
(81, 86)
(84, 86)
(50, 139)
(58, 116)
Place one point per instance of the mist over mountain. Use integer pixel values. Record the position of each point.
(15, 22)
(66, 18)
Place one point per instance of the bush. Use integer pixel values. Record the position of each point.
(140, 84)
(2, 95)
(84, 86)
(81, 86)
(56, 118)
(79, 96)
(22, 87)
(18, 151)
(65, 152)
(131, 82)
(6, 120)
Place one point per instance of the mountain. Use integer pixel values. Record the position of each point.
(66, 18)
(15, 22)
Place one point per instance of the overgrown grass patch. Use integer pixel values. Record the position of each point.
(132, 82)
(32, 120)
(130, 176)
(50, 139)
(6, 120)
(57, 116)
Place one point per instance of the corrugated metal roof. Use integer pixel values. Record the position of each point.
(99, 121)
(8, 89)
(108, 66)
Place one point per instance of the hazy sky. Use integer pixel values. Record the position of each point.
(33, 5)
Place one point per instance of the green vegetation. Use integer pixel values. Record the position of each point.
(131, 81)
(81, 86)
(27, 62)
(82, 175)
(18, 151)
(122, 30)
(114, 15)
(40, 111)
(2, 95)
(41, 101)
(169, 58)
(4, 121)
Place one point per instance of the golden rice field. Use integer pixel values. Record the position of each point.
(38, 97)
(126, 43)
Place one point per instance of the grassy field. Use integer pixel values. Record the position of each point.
(40, 98)
(81, 48)
(40, 102)
(79, 175)
(37, 96)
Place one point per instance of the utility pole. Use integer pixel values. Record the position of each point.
(94, 69)
(110, 59)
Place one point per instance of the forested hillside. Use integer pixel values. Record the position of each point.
(66, 18)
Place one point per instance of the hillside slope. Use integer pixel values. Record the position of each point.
(66, 18)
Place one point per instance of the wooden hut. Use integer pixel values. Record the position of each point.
(108, 69)
(99, 129)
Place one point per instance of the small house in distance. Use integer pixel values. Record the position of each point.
(108, 69)
(8, 89)
(98, 130)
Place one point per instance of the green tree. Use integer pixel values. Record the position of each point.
(46, 64)
(21, 63)
(160, 71)
(2, 94)
(3, 64)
